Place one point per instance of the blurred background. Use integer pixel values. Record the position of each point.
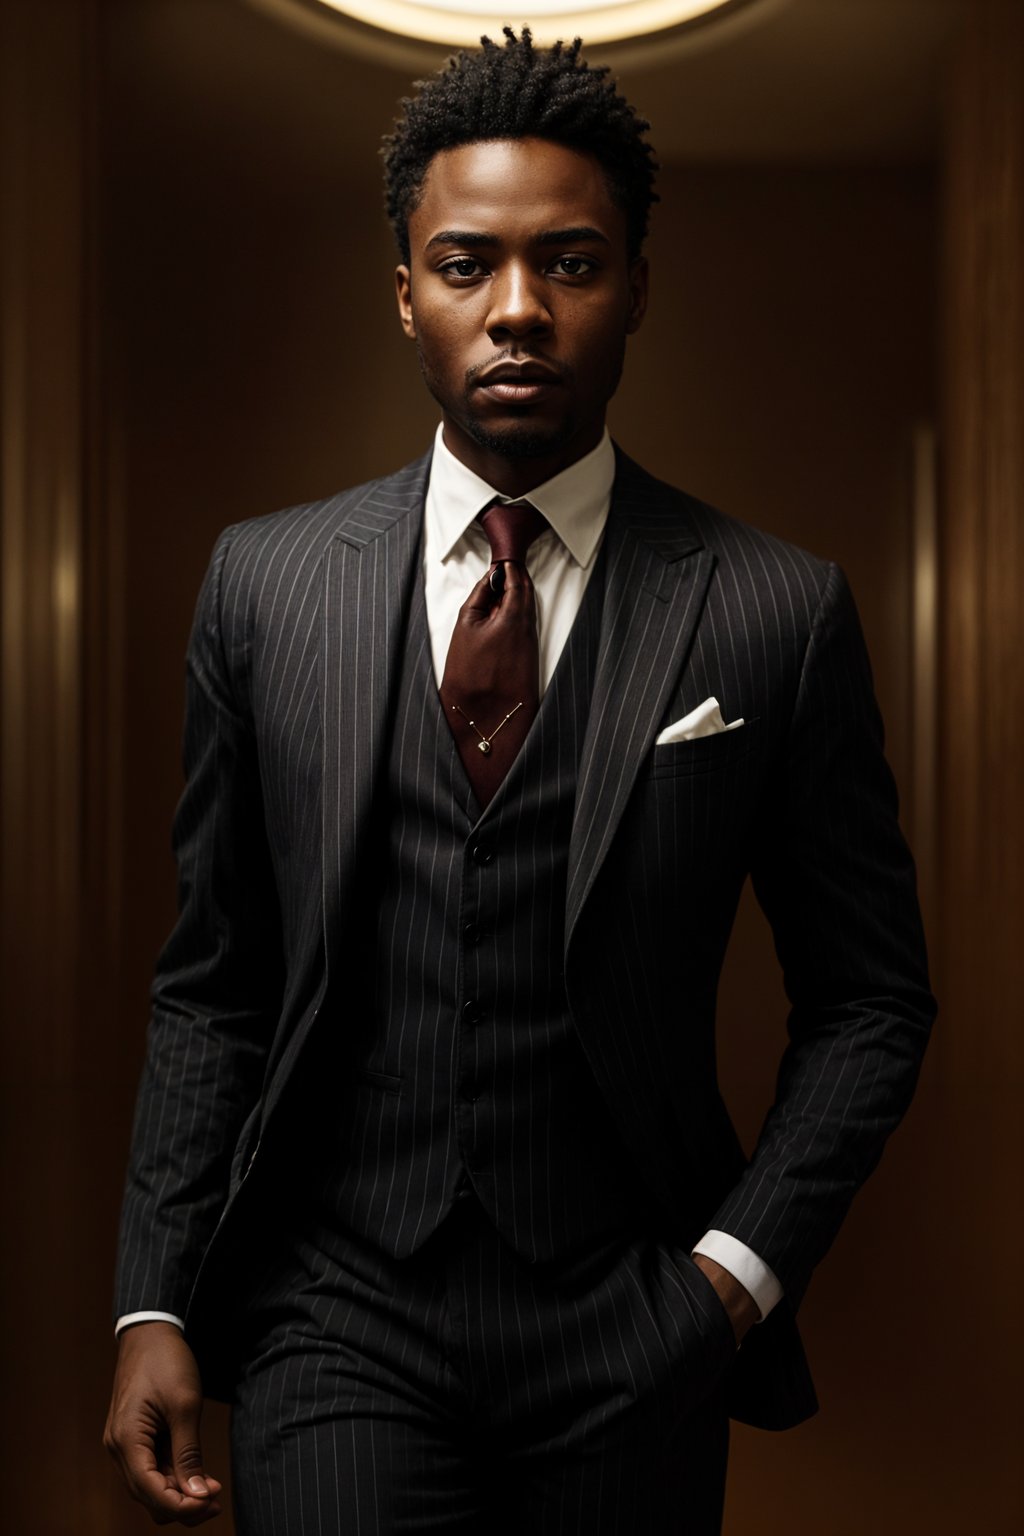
(198, 325)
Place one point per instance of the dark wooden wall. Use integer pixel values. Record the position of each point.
(198, 326)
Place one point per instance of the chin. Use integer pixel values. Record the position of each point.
(519, 440)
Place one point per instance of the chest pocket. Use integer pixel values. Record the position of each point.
(707, 754)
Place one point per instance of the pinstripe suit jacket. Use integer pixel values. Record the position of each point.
(291, 670)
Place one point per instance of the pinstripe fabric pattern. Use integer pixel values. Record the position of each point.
(278, 646)
(276, 837)
(467, 1066)
(801, 797)
(464, 1390)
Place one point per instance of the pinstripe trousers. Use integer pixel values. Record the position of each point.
(464, 1389)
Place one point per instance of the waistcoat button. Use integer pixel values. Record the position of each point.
(472, 1012)
(472, 933)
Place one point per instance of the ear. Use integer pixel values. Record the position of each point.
(403, 293)
(638, 275)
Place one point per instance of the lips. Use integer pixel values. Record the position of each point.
(518, 383)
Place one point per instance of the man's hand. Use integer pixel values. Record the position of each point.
(152, 1428)
(735, 1298)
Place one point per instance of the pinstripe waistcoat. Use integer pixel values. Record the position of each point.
(294, 672)
(468, 1069)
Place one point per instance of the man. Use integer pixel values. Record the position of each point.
(430, 1162)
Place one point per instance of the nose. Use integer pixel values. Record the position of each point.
(518, 304)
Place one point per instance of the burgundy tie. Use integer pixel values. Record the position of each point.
(491, 687)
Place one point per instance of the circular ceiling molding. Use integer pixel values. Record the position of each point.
(410, 33)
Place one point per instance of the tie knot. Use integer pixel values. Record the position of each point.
(511, 527)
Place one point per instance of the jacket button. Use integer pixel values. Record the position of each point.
(472, 1012)
(482, 854)
(472, 933)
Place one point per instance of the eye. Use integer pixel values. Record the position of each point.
(574, 266)
(461, 267)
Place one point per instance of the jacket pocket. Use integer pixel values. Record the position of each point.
(707, 753)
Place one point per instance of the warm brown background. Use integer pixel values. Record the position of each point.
(198, 326)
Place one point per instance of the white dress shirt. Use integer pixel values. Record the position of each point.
(560, 562)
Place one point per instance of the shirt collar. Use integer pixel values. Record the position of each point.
(575, 501)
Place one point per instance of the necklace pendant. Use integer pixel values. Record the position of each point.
(484, 747)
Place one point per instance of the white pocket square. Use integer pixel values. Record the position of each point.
(705, 720)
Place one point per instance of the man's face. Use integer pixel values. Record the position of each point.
(519, 295)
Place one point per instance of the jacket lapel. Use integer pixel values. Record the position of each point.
(369, 569)
(657, 576)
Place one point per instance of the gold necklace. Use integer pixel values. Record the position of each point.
(484, 744)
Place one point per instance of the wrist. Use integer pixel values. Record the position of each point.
(739, 1305)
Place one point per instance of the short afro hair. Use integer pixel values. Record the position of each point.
(517, 92)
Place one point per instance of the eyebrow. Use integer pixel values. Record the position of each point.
(474, 239)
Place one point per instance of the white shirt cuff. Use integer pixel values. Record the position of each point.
(146, 1317)
(744, 1265)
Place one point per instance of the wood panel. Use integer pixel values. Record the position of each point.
(47, 395)
(980, 1043)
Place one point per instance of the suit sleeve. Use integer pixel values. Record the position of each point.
(217, 991)
(836, 881)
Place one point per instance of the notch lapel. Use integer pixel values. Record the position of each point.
(369, 569)
(657, 576)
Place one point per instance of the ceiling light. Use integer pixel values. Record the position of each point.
(461, 22)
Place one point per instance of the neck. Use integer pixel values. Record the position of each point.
(517, 476)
